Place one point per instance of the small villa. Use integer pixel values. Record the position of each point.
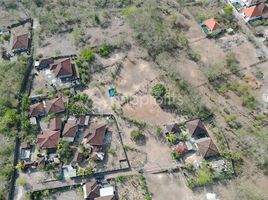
(94, 136)
(20, 43)
(48, 140)
(211, 26)
(63, 68)
(69, 132)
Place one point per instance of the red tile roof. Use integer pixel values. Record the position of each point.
(46, 61)
(20, 41)
(37, 109)
(55, 124)
(206, 147)
(94, 135)
(92, 190)
(196, 128)
(62, 67)
(55, 106)
(252, 11)
(78, 157)
(212, 24)
(264, 9)
(70, 130)
(48, 139)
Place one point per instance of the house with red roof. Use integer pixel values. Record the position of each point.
(207, 148)
(91, 190)
(63, 68)
(37, 110)
(196, 129)
(20, 43)
(69, 132)
(55, 124)
(94, 136)
(55, 106)
(249, 3)
(48, 140)
(251, 13)
(211, 26)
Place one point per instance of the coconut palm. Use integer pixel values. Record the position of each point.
(184, 136)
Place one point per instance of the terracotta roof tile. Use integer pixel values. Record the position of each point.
(196, 128)
(206, 147)
(37, 109)
(212, 24)
(20, 41)
(70, 130)
(252, 11)
(55, 124)
(55, 106)
(92, 189)
(94, 134)
(62, 67)
(48, 139)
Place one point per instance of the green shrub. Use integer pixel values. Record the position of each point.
(204, 177)
(6, 37)
(175, 155)
(105, 50)
(86, 55)
(136, 135)
(65, 152)
(119, 179)
(223, 89)
(228, 9)
(159, 90)
(232, 63)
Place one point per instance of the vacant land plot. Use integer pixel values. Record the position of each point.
(134, 75)
(170, 186)
(9, 17)
(56, 45)
(131, 188)
(145, 108)
(67, 194)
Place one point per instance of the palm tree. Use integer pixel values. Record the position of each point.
(171, 138)
(184, 136)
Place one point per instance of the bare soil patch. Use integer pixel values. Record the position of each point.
(130, 188)
(170, 186)
(61, 44)
(145, 108)
(134, 75)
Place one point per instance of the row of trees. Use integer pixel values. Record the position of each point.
(12, 74)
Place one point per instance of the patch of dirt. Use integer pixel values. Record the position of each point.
(130, 188)
(61, 44)
(134, 75)
(145, 108)
(170, 186)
